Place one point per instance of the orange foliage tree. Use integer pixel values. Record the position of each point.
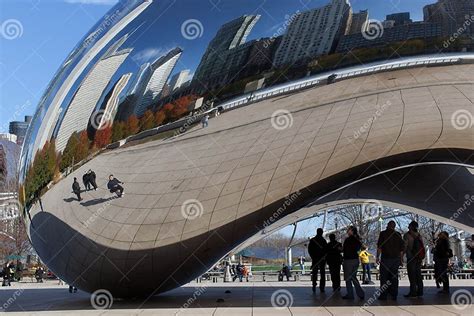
(103, 137)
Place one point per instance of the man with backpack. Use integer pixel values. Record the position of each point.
(415, 253)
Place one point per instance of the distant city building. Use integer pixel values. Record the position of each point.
(92, 88)
(359, 21)
(452, 15)
(113, 101)
(225, 52)
(19, 129)
(400, 18)
(179, 80)
(260, 57)
(9, 158)
(159, 74)
(416, 30)
(314, 33)
(140, 78)
(387, 24)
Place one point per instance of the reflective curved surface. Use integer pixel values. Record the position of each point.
(219, 124)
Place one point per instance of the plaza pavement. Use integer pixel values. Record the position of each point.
(244, 299)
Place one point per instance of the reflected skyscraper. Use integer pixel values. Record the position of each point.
(314, 33)
(93, 44)
(160, 72)
(90, 92)
(178, 80)
(452, 15)
(227, 44)
(111, 108)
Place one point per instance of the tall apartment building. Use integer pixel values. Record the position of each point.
(401, 18)
(314, 33)
(153, 84)
(452, 15)
(179, 79)
(359, 22)
(227, 49)
(111, 107)
(89, 93)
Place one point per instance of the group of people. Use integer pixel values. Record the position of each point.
(392, 248)
(89, 179)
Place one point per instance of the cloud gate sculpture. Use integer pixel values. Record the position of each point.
(222, 130)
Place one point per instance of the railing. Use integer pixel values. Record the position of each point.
(272, 276)
(340, 75)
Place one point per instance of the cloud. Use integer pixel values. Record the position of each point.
(150, 54)
(99, 2)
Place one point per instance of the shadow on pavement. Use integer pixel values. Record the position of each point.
(59, 299)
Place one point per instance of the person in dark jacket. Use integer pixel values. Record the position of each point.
(76, 188)
(317, 250)
(92, 179)
(390, 249)
(86, 181)
(442, 254)
(114, 185)
(351, 248)
(414, 251)
(334, 261)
